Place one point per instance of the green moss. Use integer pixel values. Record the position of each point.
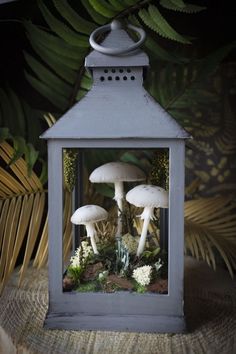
(86, 287)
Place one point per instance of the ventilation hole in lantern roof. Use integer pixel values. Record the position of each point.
(106, 71)
(117, 78)
(113, 70)
(102, 78)
(132, 78)
(125, 78)
(128, 70)
(109, 78)
(121, 70)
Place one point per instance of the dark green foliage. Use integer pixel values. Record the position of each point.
(56, 77)
(154, 20)
(56, 70)
(75, 273)
(89, 286)
(181, 6)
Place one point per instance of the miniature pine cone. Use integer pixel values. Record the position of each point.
(70, 157)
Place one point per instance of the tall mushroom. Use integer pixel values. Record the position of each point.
(147, 197)
(87, 215)
(117, 173)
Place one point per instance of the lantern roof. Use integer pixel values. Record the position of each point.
(117, 106)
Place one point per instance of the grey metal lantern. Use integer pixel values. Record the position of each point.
(117, 113)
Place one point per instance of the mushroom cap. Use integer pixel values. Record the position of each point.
(88, 213)
(112, 172)
(146, 195)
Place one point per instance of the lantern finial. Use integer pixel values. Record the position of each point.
(116, 25)
(117, 50)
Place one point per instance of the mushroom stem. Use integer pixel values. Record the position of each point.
(119, 196)
(91, 232)
(146, 215)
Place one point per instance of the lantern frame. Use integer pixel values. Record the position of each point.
(122, 310)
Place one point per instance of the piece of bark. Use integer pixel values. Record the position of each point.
(121, 282)
(160, 286)
(92, 271)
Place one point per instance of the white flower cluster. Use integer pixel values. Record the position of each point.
(130, 242)
(103, 275)
(83, 252)
(142, 275)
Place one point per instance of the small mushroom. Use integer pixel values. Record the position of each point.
(87, 215)
(117, 173)
(147, 197)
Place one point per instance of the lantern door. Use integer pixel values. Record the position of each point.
(109, 290)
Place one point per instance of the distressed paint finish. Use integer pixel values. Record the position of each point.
(55, 219)
(133, 323)
(116, 110)
(117, 113)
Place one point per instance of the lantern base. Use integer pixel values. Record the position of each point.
(128, 323)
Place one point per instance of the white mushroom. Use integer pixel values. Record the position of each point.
(147, 197)
(117, 173)
(87, 215)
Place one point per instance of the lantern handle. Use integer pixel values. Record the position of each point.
(116, 25)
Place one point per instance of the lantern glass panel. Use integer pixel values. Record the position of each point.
(116, 267)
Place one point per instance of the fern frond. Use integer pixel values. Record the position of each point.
(48, 77)
(98, 18)
(148, 20)
(57, 100)
(62, 30)
(117, 5)
(56, 63)
(154, 50)
(73, 18)
(130, 2)
(47, 54)
(188, 8)
(57, 45)
(103, 8)
(179, 3)
(162, 26)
